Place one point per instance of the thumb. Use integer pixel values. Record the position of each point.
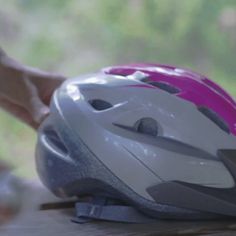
(34, 105)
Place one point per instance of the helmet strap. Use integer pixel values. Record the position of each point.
(98, 209)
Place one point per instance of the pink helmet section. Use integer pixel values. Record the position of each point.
(192, 87)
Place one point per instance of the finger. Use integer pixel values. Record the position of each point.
(46, 85)
(35, 106)
(45, 82)
(19, 112)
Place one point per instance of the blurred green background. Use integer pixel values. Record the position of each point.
(79, 36)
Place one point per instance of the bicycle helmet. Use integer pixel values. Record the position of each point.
(156, 137)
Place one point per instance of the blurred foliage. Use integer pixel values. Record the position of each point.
(77, 36)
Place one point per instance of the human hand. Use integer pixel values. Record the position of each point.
(25, 92)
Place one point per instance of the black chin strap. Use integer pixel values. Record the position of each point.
(98, 209)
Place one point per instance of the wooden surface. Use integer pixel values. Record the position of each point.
(34, 222)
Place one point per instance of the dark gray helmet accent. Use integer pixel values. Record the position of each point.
(196, 197)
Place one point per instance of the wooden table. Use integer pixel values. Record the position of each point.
(34, 222)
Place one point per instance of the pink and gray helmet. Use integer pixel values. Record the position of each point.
(157, 137)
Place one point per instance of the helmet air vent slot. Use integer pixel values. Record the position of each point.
(214, 117)
(162, 85)
(99, 104)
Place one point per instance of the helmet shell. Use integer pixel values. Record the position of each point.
(123, 130)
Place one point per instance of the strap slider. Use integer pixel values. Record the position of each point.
(95, 211)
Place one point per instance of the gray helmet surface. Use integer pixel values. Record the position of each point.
(146, 147)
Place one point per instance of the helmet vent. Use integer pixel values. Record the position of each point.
(99, 104)
(163, 86)
(55, 141)
(147, 126)
(213, 116)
